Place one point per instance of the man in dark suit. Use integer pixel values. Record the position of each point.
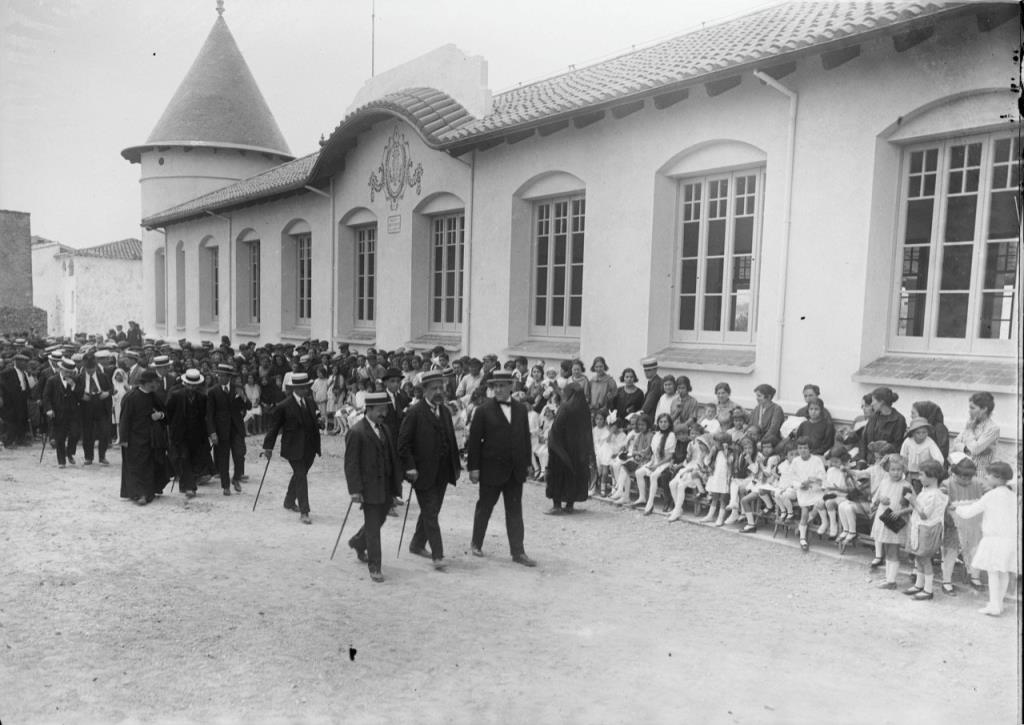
(498, 452)
(95, 409)
(398, 402)
(374, 476)
(225, 423)
(61, 400)
(654, 387)
(186, 415)
(430, 458)
(295, 418)
(14, 395)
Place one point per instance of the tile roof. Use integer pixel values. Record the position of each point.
(130, 249)
(217, 103)
(743, 42)
(61, 248)
(287, 177)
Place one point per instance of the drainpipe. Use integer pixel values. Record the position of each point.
(467, 272)
(787, 220)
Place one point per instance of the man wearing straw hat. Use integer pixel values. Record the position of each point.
(225, 423)
(61, 401)
(498, 458)
(295, 419)
(186, 414)
(374, 476)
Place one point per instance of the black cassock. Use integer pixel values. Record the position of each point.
(136, 428)
(570, 449)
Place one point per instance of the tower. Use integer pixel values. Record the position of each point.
(216, 130)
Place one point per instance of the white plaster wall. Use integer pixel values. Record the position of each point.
(108, 292)
(47, 286)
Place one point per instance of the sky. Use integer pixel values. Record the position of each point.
(80, 80)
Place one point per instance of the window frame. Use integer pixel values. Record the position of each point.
(214, 262)
(255, 281)
(722, 336)
(440, 233)
(565, 330)
(303, 278)
(364, 279)
(972, 344)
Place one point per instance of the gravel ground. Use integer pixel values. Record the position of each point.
(204, 611)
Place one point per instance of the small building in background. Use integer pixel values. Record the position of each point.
(17, 316)
(87, 290)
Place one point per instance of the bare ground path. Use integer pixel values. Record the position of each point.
(203, 611)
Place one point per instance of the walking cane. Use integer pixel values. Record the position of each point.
(404, 520)
(343, 522)
(262, 479)
(45, 438)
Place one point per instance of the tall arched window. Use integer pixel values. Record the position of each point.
(209, 282)
(179, 286)
(160, 286)
(247, 272)
(297, 276)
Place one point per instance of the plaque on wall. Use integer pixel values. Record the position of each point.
(394, 224)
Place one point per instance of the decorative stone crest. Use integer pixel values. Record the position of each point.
(396, 171)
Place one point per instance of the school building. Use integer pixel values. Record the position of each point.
(814, 192)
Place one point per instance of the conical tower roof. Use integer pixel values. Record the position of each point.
(218, 104)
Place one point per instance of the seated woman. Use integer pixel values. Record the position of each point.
(812, 393)
(979, 437)
(818, 430)
(767, 414)
(723, 404)
(886, 423)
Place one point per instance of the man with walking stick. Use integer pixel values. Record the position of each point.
(430, 458)
(295, 418)
(374, 476)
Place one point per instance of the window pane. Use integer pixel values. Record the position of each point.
(741, 274)
(687, 311)
(915, 268)
(558, 311)
(739, 313)
(1003, 222)
(713, 275)
(744, 235)
(712, 313)
(919, 221)
(1000, 265)
(691, 238)
(575, 311)
(577, 248)
(911, 319)
(437, 310)
(956, 266)
(996, 315)
(560, 249)
(688, 283)
(558, 281)
(716, 237)
(540, 316)
(960, 215)
(542, 281)
(576, 286)
(952, 315)
(449, 310)
(542, 252)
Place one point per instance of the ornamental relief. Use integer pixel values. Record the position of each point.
(396, 171)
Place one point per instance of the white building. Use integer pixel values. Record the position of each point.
(87, 290)
(810, 193)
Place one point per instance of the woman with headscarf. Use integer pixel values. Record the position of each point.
(570, 452)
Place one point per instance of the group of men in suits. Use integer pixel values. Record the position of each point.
(426, 454)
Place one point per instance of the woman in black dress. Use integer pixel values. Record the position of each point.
(570, 452)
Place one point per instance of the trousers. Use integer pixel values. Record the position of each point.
(512, 495)
(428, 530)
(233, 448)
(368, 537)
(298, 485)
(95, 428)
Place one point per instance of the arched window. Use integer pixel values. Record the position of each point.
(297, 276)
(249, 278)
(179, 286)
(209, 282)
(160, 285)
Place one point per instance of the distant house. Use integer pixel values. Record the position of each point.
(87, 290)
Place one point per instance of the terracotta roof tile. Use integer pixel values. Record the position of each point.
(130, 249)
(282, 179)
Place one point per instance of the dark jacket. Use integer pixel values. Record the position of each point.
(498, 449)
(225, 415)
(103, 380)
(372, 468)
(425, 441)
(297, 426)
(651, 398)
(136, 425)
(186, 416)
(63, 402)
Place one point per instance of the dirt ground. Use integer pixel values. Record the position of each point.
(204, 611)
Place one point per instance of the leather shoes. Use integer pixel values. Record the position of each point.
(887, 585)
(237, 486)
(104, 462)
(360, 553)
(554, 511)
(421, 551)
(440, 565)
(524, 560)
(292, 507)
(304, 518)
(227, 491)
(476, 551)
(913, 590)
(190, 494)
(376, 575)
(923, 596)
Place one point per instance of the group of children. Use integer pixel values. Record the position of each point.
(904, 496)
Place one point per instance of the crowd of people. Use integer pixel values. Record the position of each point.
(182, 412)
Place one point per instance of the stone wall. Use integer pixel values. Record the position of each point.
(15, 259)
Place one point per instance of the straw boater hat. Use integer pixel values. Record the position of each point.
(160, 361)
(376, 399)
(649, 363)
(431, 376)
(192, 377)
(67, 366)
(501, 376)
(226, 369)
(300, 380)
